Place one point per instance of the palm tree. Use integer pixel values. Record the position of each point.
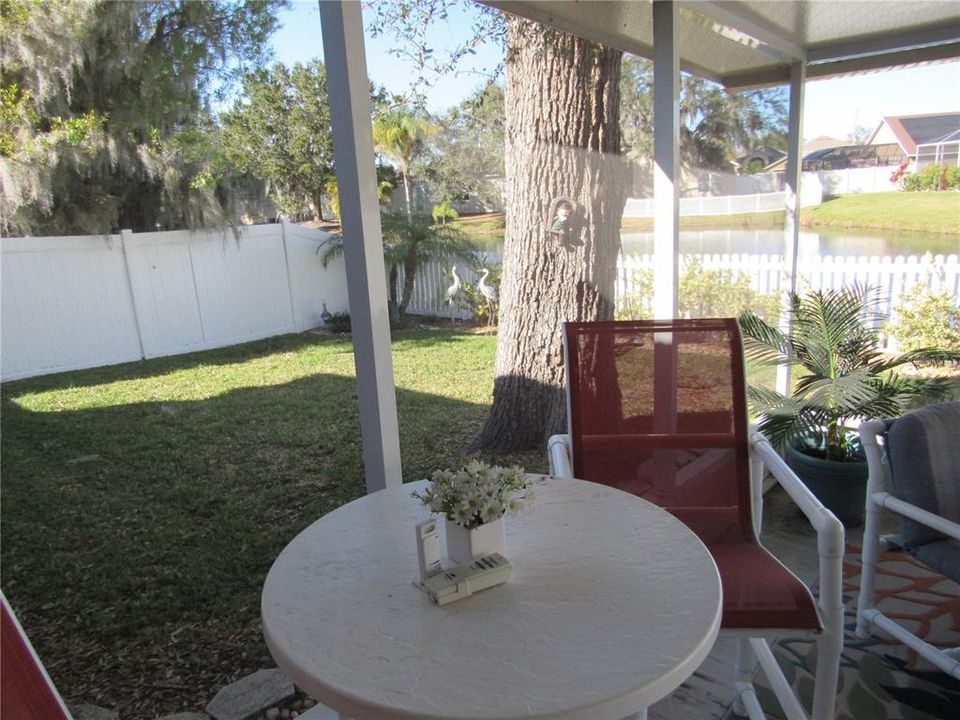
(400, 136)
(846, 375)
(409, 242)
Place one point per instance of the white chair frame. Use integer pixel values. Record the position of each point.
(878, 499)
(830, 545)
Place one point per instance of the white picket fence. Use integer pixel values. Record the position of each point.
(433, 279)
(767, 274)
(79, 302)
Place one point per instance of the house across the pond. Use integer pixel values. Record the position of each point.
(932, 139)
(826, 153)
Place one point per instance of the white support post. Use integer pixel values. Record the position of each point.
(666, 144)
(666, 206)
(345, 60)
(791, 230)
(869, 432)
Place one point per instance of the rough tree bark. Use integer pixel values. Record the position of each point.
(562, 140)
(409, 276)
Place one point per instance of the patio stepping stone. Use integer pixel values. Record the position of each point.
(249, 696)
(93, 712)
(186, 716)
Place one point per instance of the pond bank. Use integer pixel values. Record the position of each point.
(928, 212)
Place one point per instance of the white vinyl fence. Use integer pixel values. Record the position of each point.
(811, 194)
(851, 181)
(79, 302)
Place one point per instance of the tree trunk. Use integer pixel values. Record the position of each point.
(318, 205)
(407, 193)
(409, 275)
(394, 278)
(562, 141)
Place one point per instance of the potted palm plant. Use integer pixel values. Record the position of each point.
(842, 377)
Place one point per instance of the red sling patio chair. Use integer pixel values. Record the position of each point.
(658, 409)
(26, 691)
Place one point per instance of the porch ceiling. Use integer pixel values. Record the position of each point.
(751, 43)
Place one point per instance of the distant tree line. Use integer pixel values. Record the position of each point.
(106, 110)
(108, 121)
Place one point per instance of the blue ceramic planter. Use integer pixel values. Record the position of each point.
(840, 485)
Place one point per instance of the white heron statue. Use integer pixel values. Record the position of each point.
(453, 291)
(489, 293)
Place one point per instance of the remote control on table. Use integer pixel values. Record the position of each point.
(464, 580)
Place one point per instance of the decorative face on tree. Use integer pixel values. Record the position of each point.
(563, 223)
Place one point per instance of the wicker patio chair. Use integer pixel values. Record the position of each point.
(921, 455)
(658, 409)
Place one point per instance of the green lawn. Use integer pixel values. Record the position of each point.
(482, 228)
(144, 503)
(742, 221)
(934, 212)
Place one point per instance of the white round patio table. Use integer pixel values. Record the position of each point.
(612, 604)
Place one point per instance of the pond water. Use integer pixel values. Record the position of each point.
(875, 243)
(770, 242)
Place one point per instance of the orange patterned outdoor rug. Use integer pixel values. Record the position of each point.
(881, 679)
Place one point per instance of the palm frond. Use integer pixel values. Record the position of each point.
(835, 325)
(332, 249)
(835, 338)
(763, 343)
(841, 396)
(921, 356)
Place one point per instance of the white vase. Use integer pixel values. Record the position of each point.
(464, 546)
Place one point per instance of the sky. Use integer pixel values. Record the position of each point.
(832, 107)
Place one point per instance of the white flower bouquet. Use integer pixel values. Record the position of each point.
(477, 493)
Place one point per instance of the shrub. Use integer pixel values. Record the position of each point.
(722, 293)
(932, 177)
(927, 319)
(702, 293)
(443, 212)
(338, 323)
(639, 303)
(471, 299)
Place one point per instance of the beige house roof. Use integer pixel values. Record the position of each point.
(912, 130)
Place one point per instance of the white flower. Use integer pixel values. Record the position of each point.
(476, 493)
(514, 505)
(461, 516)
(492, 509)
(472, 502)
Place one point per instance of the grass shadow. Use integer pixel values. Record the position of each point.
(154, 367)
(137, 533)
